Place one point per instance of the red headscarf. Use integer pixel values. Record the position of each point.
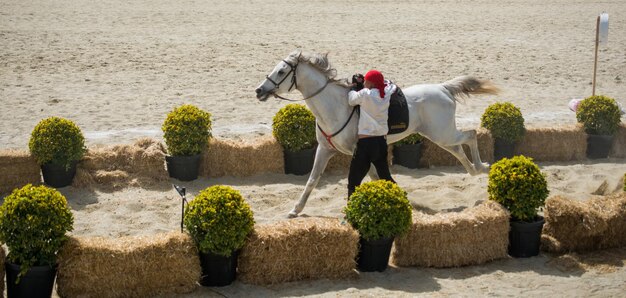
(377, 79)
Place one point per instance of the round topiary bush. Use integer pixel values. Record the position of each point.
(599, 115)
(293, 127)
(57, 141)
(219, 220)
(411, 139)
(379, 209)
(504, 121)
(518, 185)
(33, 223)
(186, 130)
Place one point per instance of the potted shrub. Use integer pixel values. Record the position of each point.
(519, 186)
(408, 151)
(218, 220)
(186, 131)
(57, 144)
(600, 117)
(293, 126)
(33, 223)
(379, 211)
(506, 124)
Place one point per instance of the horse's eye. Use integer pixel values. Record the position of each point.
(280, 72)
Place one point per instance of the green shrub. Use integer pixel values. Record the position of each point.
(58, 141)
(379, 209)
(599, 115)
(219, 220)
(519, 186)
(33, 223)
(293, 127)
(411, 139)
(624, 181)
(186, 130)
(504, 121)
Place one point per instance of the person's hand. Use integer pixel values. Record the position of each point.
(357, 82)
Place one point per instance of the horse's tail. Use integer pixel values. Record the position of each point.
(468, 85)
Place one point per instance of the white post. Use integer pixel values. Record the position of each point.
(602, 32)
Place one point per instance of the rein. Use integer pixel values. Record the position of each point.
(329, 137)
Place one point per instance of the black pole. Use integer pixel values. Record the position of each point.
(182, 192)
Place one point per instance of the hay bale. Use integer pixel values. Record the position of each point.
(141, 164)
(139, 266)
(17, 168)
(619, 143)
(473, 236)
(340, 163)
(554, 144)
(239, 158)
(572, 225)
(298, 249)
(433, 155)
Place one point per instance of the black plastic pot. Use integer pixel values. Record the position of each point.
(374, 254)
(299, 162)
(57, 175)
(599, 146)
(218, 271)
(503, 149)
(525, 238)
(183, 168)
(37, 282)
(407, 155)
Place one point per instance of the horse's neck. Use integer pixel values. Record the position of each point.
(330, 106)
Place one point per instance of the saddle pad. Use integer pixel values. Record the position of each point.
(398, 120)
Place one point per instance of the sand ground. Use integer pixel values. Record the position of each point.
(117, 67)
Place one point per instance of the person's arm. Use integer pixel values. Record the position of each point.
(356, 97)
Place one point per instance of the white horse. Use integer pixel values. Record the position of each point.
(431, 112)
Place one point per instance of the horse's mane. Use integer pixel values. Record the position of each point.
(320, 62)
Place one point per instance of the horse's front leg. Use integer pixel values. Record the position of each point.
(322, 156)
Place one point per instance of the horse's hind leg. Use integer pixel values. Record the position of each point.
(322, 156)
(454, 146)
(457, 151)
(471, 140)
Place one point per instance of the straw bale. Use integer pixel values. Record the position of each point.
(433, 155)
(554, 144)
(137, 266)
(17, 168)
(139, 164)
(298, 249)
(340, 163)
(473, 236)
(572, 225)
(240, 158)
(619, 143)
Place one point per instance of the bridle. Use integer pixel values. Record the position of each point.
(294, 82)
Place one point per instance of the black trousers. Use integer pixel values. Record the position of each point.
(372, 150)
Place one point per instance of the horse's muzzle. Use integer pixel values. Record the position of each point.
(261, 94)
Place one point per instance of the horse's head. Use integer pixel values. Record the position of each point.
(281, 80)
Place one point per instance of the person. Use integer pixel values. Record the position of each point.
(372, 94)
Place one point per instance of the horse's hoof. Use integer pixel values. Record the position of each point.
(292, 214)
